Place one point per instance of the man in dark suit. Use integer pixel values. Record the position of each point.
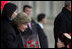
(62, 25)
(42, 36)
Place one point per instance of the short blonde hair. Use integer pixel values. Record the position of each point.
(21, 18)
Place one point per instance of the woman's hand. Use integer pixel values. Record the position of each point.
(60, 44)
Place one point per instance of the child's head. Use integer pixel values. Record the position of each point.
(41, 18)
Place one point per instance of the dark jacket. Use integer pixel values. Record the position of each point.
(42, 37)
(62, 25)
(10, 36)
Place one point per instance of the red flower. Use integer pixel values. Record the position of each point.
(36, 42)
(37, 47)
(25, 45)
(30, 41)
(31, 45)
(69, 33)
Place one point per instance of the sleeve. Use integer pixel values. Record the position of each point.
(63, 30)
(42, 38)
(10, 39)
(57, 24)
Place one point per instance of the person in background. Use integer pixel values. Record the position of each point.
(62, 24)
(42, 36)
(7, 32)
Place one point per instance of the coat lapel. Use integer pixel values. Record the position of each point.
(33, 27)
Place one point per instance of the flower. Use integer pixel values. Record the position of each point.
(25, 45)
(37, 47)
(36, 42)
(30, 41)
(69, 33)
(31, 45)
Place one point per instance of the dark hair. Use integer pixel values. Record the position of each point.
(40, 17)
(8, 10)
(67, 3)
(26, 6)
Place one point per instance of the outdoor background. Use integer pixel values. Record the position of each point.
(50, 8)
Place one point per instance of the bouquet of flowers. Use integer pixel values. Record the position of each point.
(69, 37)
(32, 44)
(31, 41)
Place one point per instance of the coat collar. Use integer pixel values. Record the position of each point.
(65, 10)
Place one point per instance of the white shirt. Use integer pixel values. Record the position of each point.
(41, 25)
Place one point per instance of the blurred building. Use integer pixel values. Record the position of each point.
(51, 8)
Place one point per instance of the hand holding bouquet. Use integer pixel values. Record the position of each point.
(69, 37)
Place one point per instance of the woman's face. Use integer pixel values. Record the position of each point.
(22, 27)
(14, 15)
